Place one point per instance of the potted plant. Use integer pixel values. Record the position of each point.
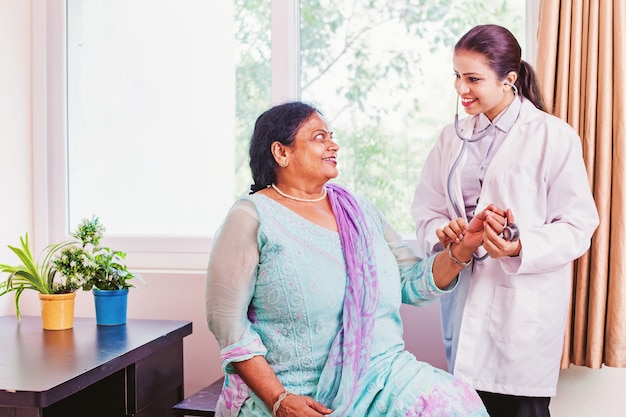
(64, 268)
(56, 291)
(110, 279)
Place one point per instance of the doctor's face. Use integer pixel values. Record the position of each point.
(478, 85)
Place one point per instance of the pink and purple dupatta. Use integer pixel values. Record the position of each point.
(352, 347)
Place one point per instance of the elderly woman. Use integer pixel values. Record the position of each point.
(304, 288)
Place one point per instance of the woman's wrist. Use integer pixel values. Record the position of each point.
(459, 256)
(277, 403)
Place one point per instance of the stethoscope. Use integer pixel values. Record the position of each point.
(510, 231)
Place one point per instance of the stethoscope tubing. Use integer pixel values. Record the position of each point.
(510, 231)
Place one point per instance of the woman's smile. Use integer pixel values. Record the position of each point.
(331, 159)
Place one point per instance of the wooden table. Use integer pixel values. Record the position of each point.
(132, 369)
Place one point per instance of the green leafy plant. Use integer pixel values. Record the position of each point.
(68, 266)
(112, 272)
(32, 274)
(76, 264)
(102, 267)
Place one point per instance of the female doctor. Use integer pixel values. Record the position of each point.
(503, 325)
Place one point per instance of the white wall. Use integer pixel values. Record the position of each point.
(180, 296)
(15, 128)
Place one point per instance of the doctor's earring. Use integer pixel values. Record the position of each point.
(283, 164)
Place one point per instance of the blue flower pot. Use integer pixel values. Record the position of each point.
(110, 306)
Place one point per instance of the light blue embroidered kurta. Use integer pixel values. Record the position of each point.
(276, 286)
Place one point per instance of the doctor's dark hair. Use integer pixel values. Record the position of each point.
(503, 54)
(280, 123)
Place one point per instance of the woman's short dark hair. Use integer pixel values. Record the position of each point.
(503, 54)
(280, 123)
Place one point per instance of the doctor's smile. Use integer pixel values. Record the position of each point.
(468, 101)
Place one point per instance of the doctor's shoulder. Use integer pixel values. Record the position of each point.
(550, 127)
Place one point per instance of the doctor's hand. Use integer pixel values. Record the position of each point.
(475, 232)
(493, 241)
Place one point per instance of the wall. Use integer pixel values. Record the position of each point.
(174, 295)
(15, 128)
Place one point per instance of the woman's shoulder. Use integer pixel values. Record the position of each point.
(244, 206)
(360, 199)
(267, 209)
(256, 202)
(369, 209)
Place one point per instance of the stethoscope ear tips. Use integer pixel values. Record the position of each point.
(510, 232)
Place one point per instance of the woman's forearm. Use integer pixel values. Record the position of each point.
(260, 378)
(449, 262)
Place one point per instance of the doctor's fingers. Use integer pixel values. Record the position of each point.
(497, 220)
(493, 242)
(493, 209)
(509, 216)
(498, 247)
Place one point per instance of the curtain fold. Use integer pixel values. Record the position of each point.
(580, 65)
(615, 351)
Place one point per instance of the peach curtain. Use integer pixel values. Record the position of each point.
(581, 60)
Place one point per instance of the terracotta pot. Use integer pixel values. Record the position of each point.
(57, 311)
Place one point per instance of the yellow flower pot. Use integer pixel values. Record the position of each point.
(57, 311)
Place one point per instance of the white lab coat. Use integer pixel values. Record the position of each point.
(503, 325)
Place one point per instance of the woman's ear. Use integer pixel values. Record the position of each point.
(510, 78)
(280, 154)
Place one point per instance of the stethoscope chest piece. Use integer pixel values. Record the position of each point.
(510, 232)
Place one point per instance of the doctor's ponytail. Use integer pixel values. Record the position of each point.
(528, 85)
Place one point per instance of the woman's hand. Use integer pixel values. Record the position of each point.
(495, 245)
(452, 233)
(260, 377)
(301, 406)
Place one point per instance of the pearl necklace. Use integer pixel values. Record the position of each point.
(303, 200)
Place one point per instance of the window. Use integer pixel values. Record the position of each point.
(150, 115)
(149, 105)
(381, 71)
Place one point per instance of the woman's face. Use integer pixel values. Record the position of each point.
(478, 85)
(313, 154)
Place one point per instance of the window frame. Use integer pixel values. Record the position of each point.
(49, 86)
